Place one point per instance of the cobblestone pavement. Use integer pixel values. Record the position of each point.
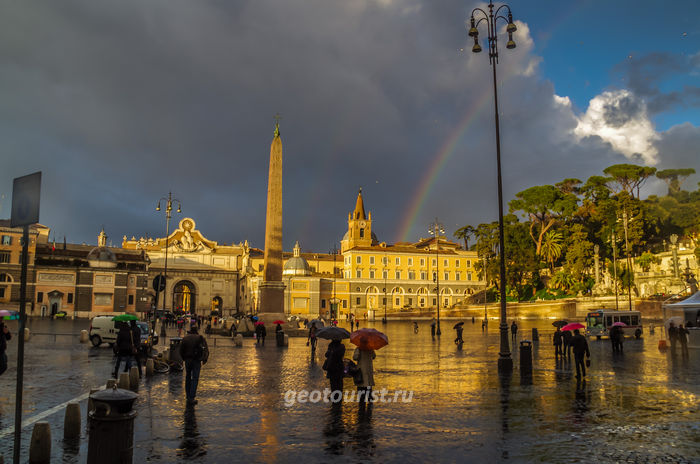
(642, 406)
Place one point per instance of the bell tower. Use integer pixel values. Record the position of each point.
(359, 227)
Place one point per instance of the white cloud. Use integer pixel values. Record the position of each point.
(620, 118)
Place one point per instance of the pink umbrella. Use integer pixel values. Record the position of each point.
(573, 326)
(619, 324)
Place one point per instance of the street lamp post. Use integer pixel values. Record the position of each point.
(168, 214)
(436, 229)
(384, 274)
(505, 362)
(625, 221)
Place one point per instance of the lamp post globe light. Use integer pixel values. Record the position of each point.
(478, 15)
(436, 229)
(168, 214)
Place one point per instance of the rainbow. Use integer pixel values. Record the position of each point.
(447, 150)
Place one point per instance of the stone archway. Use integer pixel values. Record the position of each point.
(55, 301)
(185, 297)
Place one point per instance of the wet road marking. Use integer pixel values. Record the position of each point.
(42, 415)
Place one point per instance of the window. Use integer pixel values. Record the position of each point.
(4, 256)
(39, 297)
(371, 273)
(625, 320)
(362, 233)
(131, 299)
(447, 276)
(445, 303)
(434, 301)
(469, 276)
(371, 259)
(398, 301)
(345, 304)
(385, 274)
(609, 321)
(103, 299)
(456, 263)
(5, 278)
(635, 320)
(357, 301)
(358, 274)
(2, 292)
(457, 276)
(422, 302)
(423, 275)
(445, 263)
(434, 276)
(397, 261)
(422, 261)
(469, 263)
(384, 301)
(323, 303)
(434, 262)
(358, 260)
(410, 261)
(410, 301)
(132, 281)
(412, 275)
(398, 274)
(385, 260)
(70, 298)
(6, 240)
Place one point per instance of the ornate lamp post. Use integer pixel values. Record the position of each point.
(505, 362)
(384, 274)
(168, 214)
(436, 229)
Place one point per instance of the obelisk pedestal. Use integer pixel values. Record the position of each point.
(272, 288)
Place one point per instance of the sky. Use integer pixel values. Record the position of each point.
(119, 103)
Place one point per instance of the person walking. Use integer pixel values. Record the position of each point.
(459, 340)
(194, 351)
(352, 325)
(433, 323)
(483, 325)
(5, 335)
(136, 340)
(260, 333)
(580, 348)
(312, 338)
(672, 336)
(616, 337)
(683, 339)
(335, 369)
(125, 349)
(566, 342)
(366, 366)
(557, 340)
(513, 332)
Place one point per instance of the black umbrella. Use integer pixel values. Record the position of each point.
(559, 324)
(458, 324)
(332, 333)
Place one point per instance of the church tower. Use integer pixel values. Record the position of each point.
(359, 232)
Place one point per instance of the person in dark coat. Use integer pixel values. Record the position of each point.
(459, 340)
(566, 342)
(433, 324)
(125, 349)
(192, 352)
(557, 340)
(616, 337)
(683, 339)
(136, 338)
(672, 336)
(5, 335)
(513, 331)
(260, 333)
(580, 348)
(311, 341)
(335, 369)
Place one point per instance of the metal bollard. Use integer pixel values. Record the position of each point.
(149, 367)
(286, 340)
(535, 335)
(27, 334)
(71, 422)
(40, 444)
(526, 360)
(111, 427)
(124, 381)
(83, 336)
(134, 378)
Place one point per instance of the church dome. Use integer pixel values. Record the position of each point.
(296, 265)
(101, 256)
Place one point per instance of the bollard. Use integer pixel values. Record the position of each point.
(166, 354)
(535, 335)
(111, 383)
(175, 349)
(124, 381)
(238, 340)
(134, 377)
(286, 340)
(526, 360)
(149, 367)
(27, 334)
(111, 427)
(40, 445)
(71, 422)
(83, 336)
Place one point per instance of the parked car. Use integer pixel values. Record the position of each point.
(60, 315)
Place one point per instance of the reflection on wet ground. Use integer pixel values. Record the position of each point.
(641, 406)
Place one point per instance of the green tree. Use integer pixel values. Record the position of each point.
(552, 247)
(629, 177)
(579, 252)
(562, 280)
(674, 178)
(465, 233)
(646, 260)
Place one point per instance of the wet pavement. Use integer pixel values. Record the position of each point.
(642, 406)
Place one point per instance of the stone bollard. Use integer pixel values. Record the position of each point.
(83, 336)
(286, 340)
(124, 381)
(27, 334)
(526, 362)
(71, 422)
(111, 427)
(535, 335)
(238, 340)
(149, 367)
(40, 444)
(134, 377)
(111, 383)
(166, 354)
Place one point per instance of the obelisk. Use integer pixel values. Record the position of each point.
(271, 306)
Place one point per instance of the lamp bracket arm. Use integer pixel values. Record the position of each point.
(503, 6)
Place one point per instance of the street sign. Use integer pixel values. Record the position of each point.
(159, 283)
(26, 193)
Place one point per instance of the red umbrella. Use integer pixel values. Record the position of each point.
(573, 326)
(260, 323)
(278, 322)
(368, 339)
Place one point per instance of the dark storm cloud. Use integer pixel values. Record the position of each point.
(623, 110)
(120, 102)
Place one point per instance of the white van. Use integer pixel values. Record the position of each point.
(103, 330)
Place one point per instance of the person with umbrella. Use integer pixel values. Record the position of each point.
(616, 337)
(459, 327)
(566, 342)
(5, 335)
(125, 348)
(557, 339)
(334, 365)
(580, 347)
(367, 341)
(260, 333)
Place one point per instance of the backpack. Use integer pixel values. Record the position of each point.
(201, 351)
